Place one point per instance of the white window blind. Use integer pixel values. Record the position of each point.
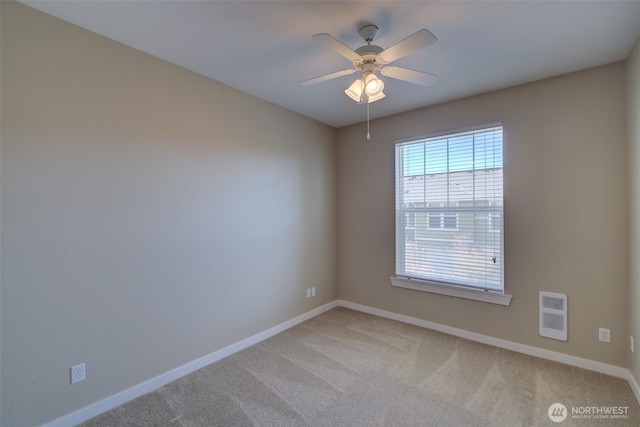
(449, 209)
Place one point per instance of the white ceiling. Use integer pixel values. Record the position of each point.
(265, 47)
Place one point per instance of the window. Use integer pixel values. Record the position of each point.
(449, 210)
(441, 219)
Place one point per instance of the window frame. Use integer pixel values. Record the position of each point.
(485, 294)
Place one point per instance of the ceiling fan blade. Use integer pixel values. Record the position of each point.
(337, 46)
(328, 77)
(415, 41)
(417, 77)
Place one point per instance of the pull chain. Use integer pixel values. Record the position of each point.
(368, 134)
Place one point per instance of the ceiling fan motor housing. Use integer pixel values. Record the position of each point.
(369, 49)
(368, 52)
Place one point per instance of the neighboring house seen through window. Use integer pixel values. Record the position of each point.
(441, 219)
(449, 210)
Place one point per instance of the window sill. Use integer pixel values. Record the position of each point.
(458, 292)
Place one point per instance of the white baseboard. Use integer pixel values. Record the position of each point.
(118, 399)
(614, 371)
(633, 383)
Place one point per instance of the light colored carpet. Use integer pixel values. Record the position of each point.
(346, 368)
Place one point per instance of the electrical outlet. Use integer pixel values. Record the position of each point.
(631, 344)
(604, 335)
(308, 292)
(77, 373)
(313, 291)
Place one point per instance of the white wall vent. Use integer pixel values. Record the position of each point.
(553, 315)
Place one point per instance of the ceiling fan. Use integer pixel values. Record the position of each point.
(369, 59)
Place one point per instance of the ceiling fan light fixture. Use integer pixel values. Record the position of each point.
(373, 98)
(373, 88)
(373, 85)
(355, 90)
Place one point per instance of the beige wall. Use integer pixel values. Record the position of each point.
(565, 211)
(633, 135)
(150, 216)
